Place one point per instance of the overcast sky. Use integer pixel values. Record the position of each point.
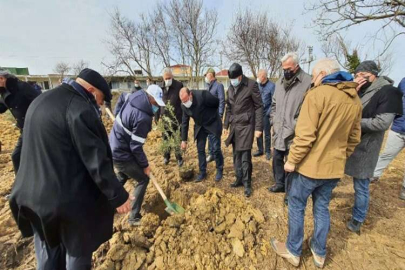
(38, 34)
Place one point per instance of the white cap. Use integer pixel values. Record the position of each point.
(157, 93)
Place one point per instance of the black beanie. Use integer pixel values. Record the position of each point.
(95, 79)
(368, 66)
(235, 71)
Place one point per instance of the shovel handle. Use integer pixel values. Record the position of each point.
(110, 114)
(157, 186)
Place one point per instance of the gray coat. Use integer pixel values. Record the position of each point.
(362, 162)
(285, 108)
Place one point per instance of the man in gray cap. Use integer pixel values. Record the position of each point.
(16, 96)
(244, 118)
(66, 191)
(381, 103)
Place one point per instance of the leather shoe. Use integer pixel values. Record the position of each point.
(166, 161)
(210, 159)
(276, 189)
(258, 154)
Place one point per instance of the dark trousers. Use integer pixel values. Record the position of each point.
(131, 169)
(16, 155)
(177, 151)
(266, 133)
(57, 257)
(216, 144)
(211, 150)
(242, 164)
(278, 167)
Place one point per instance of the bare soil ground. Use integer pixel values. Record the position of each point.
(221, 229)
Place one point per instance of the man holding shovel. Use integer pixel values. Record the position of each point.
(131, 127)
(202, 106)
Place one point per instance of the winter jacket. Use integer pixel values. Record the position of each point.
(66, 186)
(267, 91)
(17, 98)
(244, 114)
(285, 108)
(399, 123)
(363, 161)
(217, 89)
(136, 116)
(204, 111)
(122, 98)
(327, 131)
(171, 95)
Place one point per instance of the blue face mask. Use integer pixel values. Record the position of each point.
(154, 109)
(235, 82)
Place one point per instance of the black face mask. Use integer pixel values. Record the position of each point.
(312, 84)
(288, 74)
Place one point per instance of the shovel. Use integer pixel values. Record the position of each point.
(110, 114)
(172, 208)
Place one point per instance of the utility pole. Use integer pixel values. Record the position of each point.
(310, 58)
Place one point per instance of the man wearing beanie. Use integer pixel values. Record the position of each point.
(381, 103)
(16, 96)
(243, 118)
(66, 191)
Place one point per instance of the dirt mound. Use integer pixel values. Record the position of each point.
(217, 231)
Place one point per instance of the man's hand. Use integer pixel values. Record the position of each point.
(183, 145)
(272, 151)
(258, 134)
(361, 81)
(126, 207)
(225, 132)
(147, 170)
(289, 167)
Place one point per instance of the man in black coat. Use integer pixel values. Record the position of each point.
(16, 96)
(202, 106)
(244, 115)
(66, 190)
(171, 89)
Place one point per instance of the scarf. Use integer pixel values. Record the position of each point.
(289, 83)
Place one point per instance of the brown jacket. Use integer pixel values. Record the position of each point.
(328, 130)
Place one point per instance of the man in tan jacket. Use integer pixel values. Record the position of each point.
(327, 131)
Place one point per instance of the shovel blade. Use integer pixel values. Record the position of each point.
(173, 208)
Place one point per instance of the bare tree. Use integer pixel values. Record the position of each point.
(61, 68)
(258, 42)
(130, 44)
(337, 15)
(79, 66)
(194, 29)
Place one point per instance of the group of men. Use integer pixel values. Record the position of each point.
(321, 128)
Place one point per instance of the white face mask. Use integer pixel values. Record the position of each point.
(258, 81)
(235, 82)
(188, 103)
(136, 85)
(207, 80)
(168, 82)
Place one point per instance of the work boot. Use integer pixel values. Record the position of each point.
(200, 177)
(268, 156)
(354, 226)
(237, 183)
(135, 220)
(219, 174)
(258, 154)
(282, 251)
(210, 158)
(166, 161)
(248, 188)
(180, 162)
(402, 194)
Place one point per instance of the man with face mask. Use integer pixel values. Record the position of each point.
(16, 96)
(327, 131)
(266, 88)
(171, 89)
(285, 108)
(202, 106)
(381, 103)
(216, 89)
(243, 118)
(66, 191)
(131, 127)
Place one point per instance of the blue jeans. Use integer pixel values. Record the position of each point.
(211, 150)
(300, 189)
(361, 198)
(216, 145)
